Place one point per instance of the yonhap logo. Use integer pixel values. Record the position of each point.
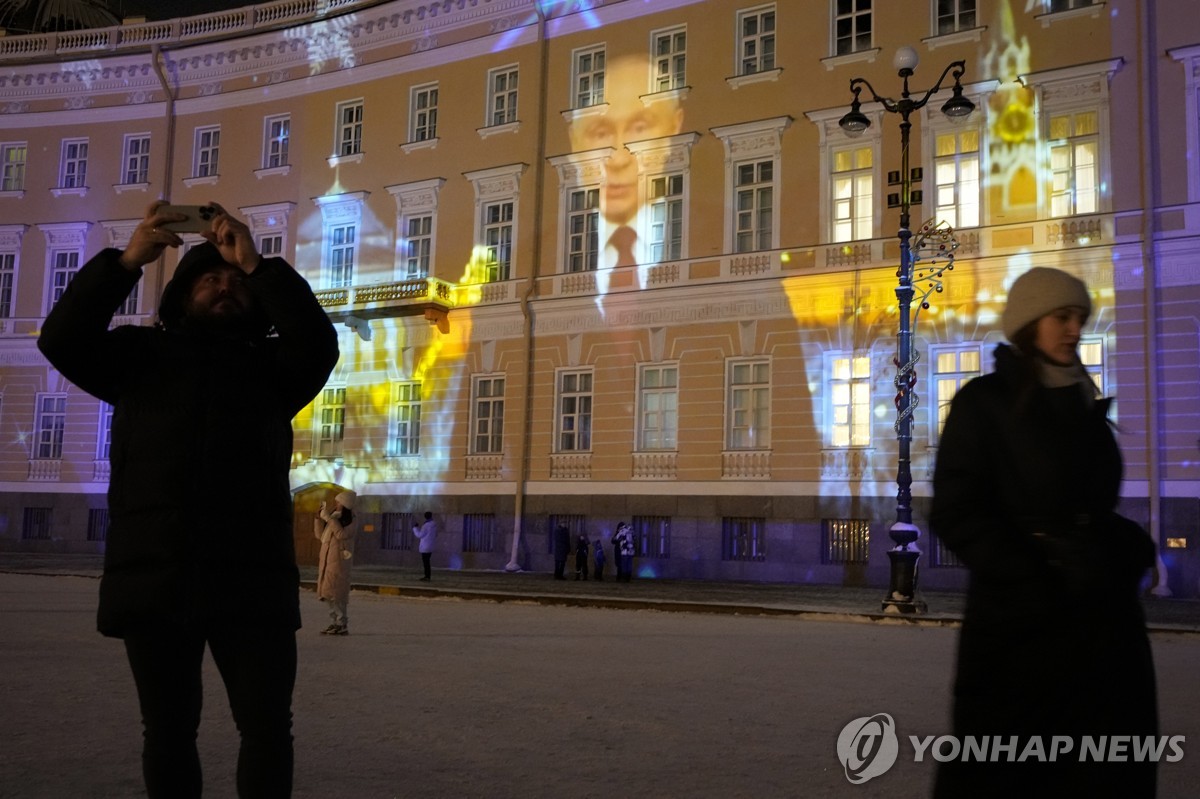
(868, 747)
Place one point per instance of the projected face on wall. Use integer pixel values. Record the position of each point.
(628, 118)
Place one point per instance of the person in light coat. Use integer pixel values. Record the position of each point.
(427, 534)
(333, 527)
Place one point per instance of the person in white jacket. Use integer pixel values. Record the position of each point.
(337, 551)
(427, 533)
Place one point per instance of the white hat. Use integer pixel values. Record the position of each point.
(346, 499)
(1038, 292)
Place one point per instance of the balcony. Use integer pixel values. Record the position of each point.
(428, 297)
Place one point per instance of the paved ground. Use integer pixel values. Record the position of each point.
(433, 696)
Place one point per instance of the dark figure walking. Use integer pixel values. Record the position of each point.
(582, 551)
(562, 548)
(200, 550)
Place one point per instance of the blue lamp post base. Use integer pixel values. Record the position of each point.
(902, 596)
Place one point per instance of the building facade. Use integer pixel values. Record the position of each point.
(605, 260)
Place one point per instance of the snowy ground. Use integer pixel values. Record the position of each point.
(448, 698)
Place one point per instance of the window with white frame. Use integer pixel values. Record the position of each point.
(852, 22)
(756, 40)
(497, 240)
(574, 411)
(12, 166)
(755, 206)
(651, 536)
(270, 245)
(749, 404)
(277, 134)
(479, 532)
(743, 538)
(502, 95)
(407, 437)
(49, 426)
(850, 401)
(418, 240)
(956, 177)
(8, 280)
(72, 172)
(330, 422)
(670, 59)
(952, 368)
(951, 16)
(1091, 355)
(342, 251)
(63, 266)
(588, 77)
(208, 148)
(104, 432)
(1074, 163)
(853, 192)
(487, 414)
(135, 159)
(349, 132)
(1067, 5)
(583, 229)
(658, 407)
(423, 115)
(666, 217)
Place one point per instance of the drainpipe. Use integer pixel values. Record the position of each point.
(1150, 192)
(539, 169)
(158, 60)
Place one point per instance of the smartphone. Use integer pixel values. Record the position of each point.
(199, 218)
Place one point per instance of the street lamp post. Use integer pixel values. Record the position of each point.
(902, 592)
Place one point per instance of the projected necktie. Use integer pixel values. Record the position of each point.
(622, 240)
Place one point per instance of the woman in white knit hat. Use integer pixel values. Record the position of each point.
(1053, 641)
(337, 549)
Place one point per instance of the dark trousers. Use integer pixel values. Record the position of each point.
(258, 666)
(425, 559)
(560, 566)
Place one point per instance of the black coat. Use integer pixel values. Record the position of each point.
(1053, 640)
(200, 508)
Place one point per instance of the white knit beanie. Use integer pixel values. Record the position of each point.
(1038, 292)
(346, 499)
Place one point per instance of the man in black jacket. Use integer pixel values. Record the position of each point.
(200, 547)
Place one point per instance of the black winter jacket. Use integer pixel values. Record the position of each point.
(200, 508)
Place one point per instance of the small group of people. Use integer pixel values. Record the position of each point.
(623, 549)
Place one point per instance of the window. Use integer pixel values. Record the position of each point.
(418, 238)
(342, 250)
(956, 169)
(64, 265)
(498, 240)
(574, 411)
(743, 538)
(270, 245)
(36, 524)
(756, 40)
(331, 427)
(1067, 5)
(136, 159)
(277, 132)
(397, 531)
(479, 532)
(97, 528)
(129, 306)
(104, 432)
(407, 439)
(749, 415)
(954, 15)
(952, 369)
(12, 162)
(349, 127)
(73, 168)
(502, 96)
(8, 276)
(583, 230)
(851, 26)
(208, 146)
(423, 119)
(755, 206)
(1091, 355)
(670, 59)
(666, 218)
(589, 77)
(853, 194)
(941, 554)
(487, 416)
(850, 402)
(845, 540)
(651, 536)
(50, 423)
(1074, 162)
(658, 408)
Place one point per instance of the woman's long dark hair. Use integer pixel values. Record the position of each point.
(346, 517)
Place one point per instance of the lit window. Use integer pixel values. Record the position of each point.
(12, 166)
(845, 540)
(666, 218)
(756, 40)
(1091, 355)
(407, 438)
(853, 194)
(331, 425)
(850, 402)
(342, 252)
(658, 416)
(1074, 164)
(956, 168)
(952, 369)
(749, 403)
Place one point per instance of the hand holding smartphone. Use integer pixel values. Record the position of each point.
(198, 218)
